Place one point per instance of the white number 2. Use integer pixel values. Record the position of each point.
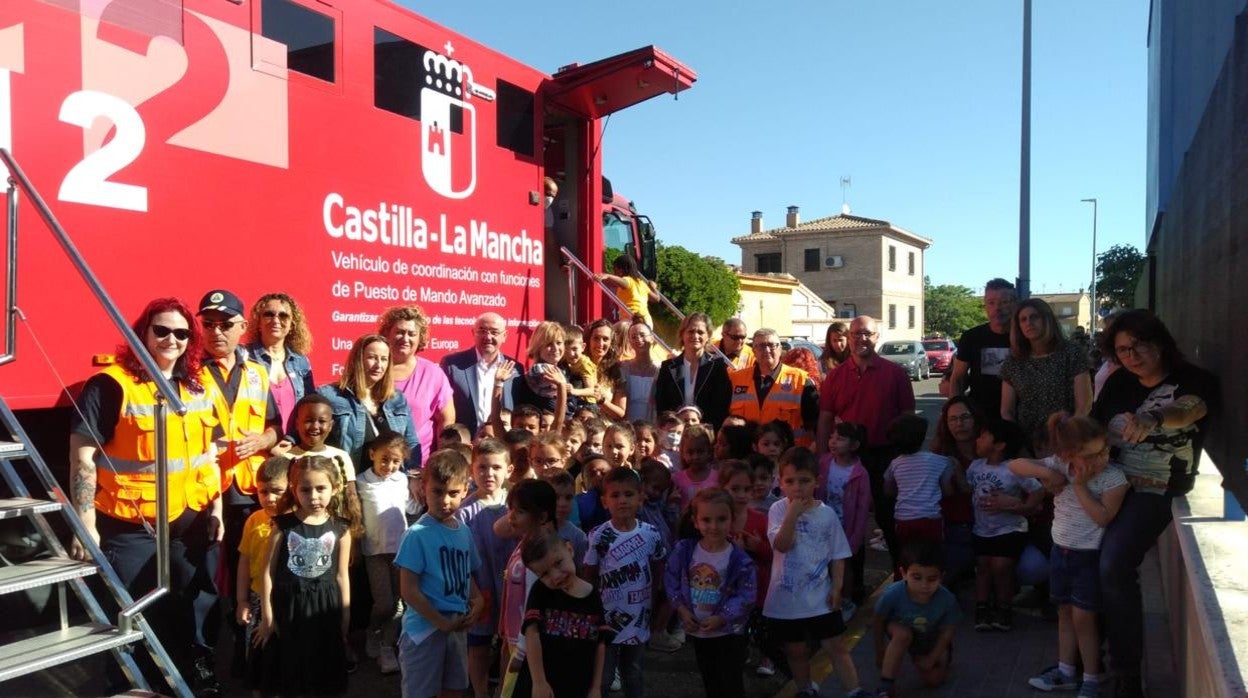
(87, 182)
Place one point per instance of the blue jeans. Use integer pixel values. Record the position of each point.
(1127, 540)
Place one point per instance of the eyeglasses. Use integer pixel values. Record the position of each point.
(548, 462)
(222, 325)
(769, 346)
(181, 334)
(281, 315)
(737, 337)
(863, 334)
(489, 332)
(1134, 350)
(960, 418)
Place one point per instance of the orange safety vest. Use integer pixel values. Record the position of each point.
(246, 415)
(743, 361)
(125, 468)
(783, 402)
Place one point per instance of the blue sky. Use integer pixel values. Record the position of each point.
(917, 102)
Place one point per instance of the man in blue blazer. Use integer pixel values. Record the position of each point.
(472, 372)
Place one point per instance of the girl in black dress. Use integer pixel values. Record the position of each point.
(305, 597)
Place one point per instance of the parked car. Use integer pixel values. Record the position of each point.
(910, 355)
(787, 343)
(940, 353)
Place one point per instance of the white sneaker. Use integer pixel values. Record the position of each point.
(848, 609)
(765, 667)
(372, 644)
(678, 635)
(386, 661)
(616, 684)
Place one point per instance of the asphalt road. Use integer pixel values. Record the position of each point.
(668, 675)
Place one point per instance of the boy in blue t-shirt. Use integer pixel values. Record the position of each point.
(436, 560)
(916, 616)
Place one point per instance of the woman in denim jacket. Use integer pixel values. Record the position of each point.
(278, 337)
(365, 403)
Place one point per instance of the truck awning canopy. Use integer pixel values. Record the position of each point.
(611, 84)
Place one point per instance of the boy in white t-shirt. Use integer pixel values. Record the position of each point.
(807, 571)
(1002, 501)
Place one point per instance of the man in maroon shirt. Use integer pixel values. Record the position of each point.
(872, 392)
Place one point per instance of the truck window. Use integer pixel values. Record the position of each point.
(515, 119)
(617, 235)
(399, 76)
(308, 35)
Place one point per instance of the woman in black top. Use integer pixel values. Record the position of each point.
(695, 377)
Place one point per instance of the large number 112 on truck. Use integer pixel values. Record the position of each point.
(348, 152)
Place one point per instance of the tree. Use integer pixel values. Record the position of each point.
(696, 284)
(1118, 272)
(950, 309)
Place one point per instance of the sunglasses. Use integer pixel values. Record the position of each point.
(737, 337)
(280, 315)
(179, 334)
(223, 325)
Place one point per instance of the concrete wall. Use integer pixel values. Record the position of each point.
(1205, 593)
(1198, 263)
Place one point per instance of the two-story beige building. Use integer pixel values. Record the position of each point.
(1072, 310)
(859, 266)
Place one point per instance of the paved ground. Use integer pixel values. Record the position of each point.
(985, 664)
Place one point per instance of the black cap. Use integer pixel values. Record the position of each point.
(222, 301)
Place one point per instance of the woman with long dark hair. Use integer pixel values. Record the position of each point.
(1156, 407)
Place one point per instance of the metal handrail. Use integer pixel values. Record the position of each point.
(10, 314)
(589, 274)
(17, 176)
(165, 390)
(667, 303)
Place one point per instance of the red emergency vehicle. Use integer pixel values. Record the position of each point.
(348, 152)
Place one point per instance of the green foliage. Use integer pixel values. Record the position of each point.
(1118, 271)
(696, 284)
(950, 309)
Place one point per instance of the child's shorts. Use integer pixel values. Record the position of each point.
(922, 644)
(1075, 578)
(1005, 545)
(438, 663)
(785, 630)
(931, 530)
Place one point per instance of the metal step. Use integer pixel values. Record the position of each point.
(12, 450)
(60, 647)
(21, 506)
(38, 573)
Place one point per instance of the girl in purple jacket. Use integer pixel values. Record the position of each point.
(712, 584)
(844, 486)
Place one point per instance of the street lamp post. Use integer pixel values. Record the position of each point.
(1095, 310)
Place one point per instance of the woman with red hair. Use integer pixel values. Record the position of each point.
(803, 358)
(113, 451)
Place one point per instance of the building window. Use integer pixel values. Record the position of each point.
(912, 315)
(892, 258)
(812, 260)
(892, 316)
(397, 76)
(1067, 311)
(308, 35)
(767, 263)
(912, 267)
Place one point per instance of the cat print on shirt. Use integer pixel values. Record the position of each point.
(310, 557)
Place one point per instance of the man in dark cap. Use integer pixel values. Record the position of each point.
(248, 426)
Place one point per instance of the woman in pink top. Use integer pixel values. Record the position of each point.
(421, 381)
